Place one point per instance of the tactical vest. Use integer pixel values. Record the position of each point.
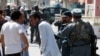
(80, 33)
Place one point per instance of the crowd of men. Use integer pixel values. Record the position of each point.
(73, 37)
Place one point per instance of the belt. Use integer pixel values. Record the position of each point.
(81, 45)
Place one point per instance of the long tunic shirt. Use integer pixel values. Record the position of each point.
(48, 45)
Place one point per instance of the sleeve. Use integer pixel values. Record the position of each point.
(1, 32)
(20, 29)
(57, 23)
(43, 37)
(91, 28)
(65, 32)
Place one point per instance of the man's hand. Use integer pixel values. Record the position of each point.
(25, 48)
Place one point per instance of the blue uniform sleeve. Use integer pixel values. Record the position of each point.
(65, 32)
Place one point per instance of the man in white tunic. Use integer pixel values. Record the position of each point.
(48, 46)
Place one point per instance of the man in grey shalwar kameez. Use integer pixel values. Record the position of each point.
(79, 47)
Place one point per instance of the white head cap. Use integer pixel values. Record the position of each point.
(76, 12)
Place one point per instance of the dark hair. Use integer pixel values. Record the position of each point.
(8, 6)
(67, 13)
(1, 11)
(35, 15)
(15, 15)
(36, 8)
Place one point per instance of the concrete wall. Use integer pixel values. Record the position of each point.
(89, 1)
(97, 8)
(31, 3)
(74, 1)
(66, 3)
(3, 4)
(27, 2)
(82, 1)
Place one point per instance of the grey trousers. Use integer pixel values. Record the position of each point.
(81, 51)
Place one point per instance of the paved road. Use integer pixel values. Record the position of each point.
(34, 49)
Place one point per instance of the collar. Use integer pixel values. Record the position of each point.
(78, 20)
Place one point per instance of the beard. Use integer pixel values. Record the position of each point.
(64, 21)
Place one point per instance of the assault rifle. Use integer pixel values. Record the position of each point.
(93, 45)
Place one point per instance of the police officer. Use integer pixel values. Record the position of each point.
(66, 19)
(78, 35)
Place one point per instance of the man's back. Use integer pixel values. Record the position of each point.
(80, 33)
(12, 40)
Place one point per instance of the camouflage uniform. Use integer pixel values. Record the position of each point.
(78, 49)
(79, 35)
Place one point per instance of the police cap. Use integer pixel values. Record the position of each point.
(67, 14)
(76, 12)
